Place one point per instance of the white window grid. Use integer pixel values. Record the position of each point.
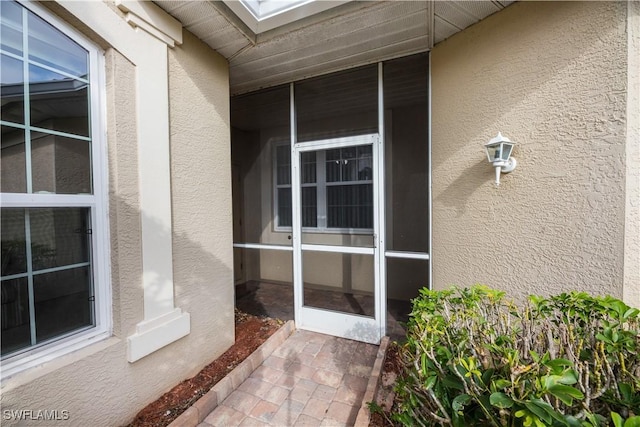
(95, 202)
(321, 184)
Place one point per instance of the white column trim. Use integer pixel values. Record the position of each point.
(153, 20)
(156, 333)
(163, 323)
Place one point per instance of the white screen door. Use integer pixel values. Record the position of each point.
(335, 237)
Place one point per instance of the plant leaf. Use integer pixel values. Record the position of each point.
(460, 401)
(617, 419)
(550, 410)
(500, 400)
(486, 376)
(626, 391)
(538, 411)
(430, 382)
(500, 384)
(452, 381)
(521, 413)
(565, 393)
(558, 363)
(632, 422)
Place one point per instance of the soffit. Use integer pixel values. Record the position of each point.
(349, 35)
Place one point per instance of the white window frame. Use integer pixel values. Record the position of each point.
(321, 196)
(97, 203)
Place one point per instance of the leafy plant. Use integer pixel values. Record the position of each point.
(474, 358)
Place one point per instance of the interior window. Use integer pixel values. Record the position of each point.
(336, 183)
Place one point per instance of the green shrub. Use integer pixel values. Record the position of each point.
(474, 358)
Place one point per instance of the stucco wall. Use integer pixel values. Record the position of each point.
(97, 386)
(552, 77)
(631, 291)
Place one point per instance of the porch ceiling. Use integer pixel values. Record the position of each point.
(348, 35)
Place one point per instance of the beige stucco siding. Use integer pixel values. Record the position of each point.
(632, 215)
(97, 385)
(552, 77)
(201, 190)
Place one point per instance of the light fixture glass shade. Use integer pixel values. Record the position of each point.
(499, 149)
(493, 152)
(505, 150)
(499, 155)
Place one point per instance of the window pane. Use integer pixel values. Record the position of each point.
(63, 302)
(284, 207)
(337, 105)
(13, 161)
(60, 165)
(333, 165)
(349, 167)
(14, 252)
(58, 102)
(365, 163)
(59, 237)
(49, 46)
(283, 159)
(309, 207)
(10, 28)
(350, 206)
(16, 333)
(308, 160)
(349, 164)
(12, 76)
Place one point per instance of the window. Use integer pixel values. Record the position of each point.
(337, 188)
(53, 221)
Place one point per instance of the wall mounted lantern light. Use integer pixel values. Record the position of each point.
(499, 154)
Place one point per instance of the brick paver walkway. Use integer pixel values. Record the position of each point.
(310, 380)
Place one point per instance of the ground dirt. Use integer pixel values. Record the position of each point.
(251, 332)
(385, 398)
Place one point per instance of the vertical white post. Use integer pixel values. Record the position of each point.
(296, 222)
(380, 230)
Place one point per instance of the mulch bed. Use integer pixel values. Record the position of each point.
(251, 332)
(391, 368)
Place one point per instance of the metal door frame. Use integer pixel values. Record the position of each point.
(353, 326)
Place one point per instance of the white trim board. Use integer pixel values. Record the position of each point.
(149, 54)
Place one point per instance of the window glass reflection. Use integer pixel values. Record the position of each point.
(16, 331)
(11, 27)
(63, 302)
(13, 177)
(58, 237)
(50, 47)
(60, 165)
(58, 102)
(14, 249)
(12, 80)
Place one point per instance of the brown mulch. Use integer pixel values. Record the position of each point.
(391, 368)
(251, 332)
